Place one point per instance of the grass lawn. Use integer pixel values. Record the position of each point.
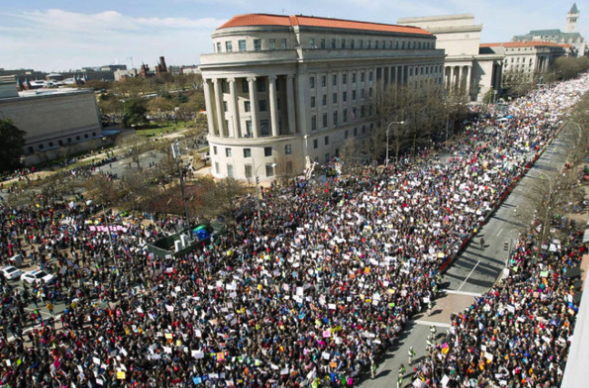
(157, 129)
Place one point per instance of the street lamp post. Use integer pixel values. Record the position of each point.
(258, 186)
(388, 128)
(176, 154)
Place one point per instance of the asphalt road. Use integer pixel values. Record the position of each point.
(477, 269)
(474, 271)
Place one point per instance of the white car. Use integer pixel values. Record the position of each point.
(35, 276)
(11, 272)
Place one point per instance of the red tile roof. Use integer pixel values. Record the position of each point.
(522, 44)
(251, 20)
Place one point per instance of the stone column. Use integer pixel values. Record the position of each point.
(219, 105)
(210, 107)
(466, 79)
(456, 81)
(234, 108)
(251, 82)
(290, 97)
(273, 111)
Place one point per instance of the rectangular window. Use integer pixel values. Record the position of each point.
(246, 106)
(217, 167)
(264, 129)
(245, 87)
(343, 43)
(225, 106)
(312, 43)
(323, 81)
(214, 150)
(248, 128)
(287, 149)
(345, 118)
(353, 95)
(335, 118)
(323, 44)
(346, 134)
(230, 170)
(353, 78)
(324, 120)
(272, 44)
(334, 80)
(267, 151)
(269, 170)
(362, 77)
(345, 96)
(344, 79)
(370, 76)
(228, 152)
(223, 86)
(315, 144)
(247, 153)
(362, 111)
(333, 43)
(327, 157)
(241, 44)
(313, 123)
(326, 140)
(352, 43)
(312, 101)
(278, 104)
(263, 105)
(324, 99)
(376, 44)
(312, 82)
(355, 132)
(228, 46)
(218, 47)
(249, 171)
(261, 84)
(361, 44)
(369, 44)
(362, 93)
(257, 44)
(334, 98)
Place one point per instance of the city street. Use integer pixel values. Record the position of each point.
(472, 273)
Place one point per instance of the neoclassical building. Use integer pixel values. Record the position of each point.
(466, 67)
(279, 89)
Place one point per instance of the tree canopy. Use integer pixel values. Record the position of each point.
(134, 111)
(13, 142)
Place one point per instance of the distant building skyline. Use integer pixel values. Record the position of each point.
(72, 35)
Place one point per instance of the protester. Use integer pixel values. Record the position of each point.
(311, 290)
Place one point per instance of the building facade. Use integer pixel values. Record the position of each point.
(53, 118)
(526, 59)
(570, 37)
(465, 67)
(281, 90)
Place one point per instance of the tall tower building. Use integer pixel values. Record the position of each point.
(572, 18)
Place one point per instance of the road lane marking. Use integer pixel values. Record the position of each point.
(463, 293)
(470, 273)
(500, 230)
(430, 323)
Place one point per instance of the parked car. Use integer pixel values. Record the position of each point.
(35, 276)
(11, 272)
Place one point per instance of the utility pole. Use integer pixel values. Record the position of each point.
(177, 157)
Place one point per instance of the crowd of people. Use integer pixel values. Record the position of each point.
(518, 333)
(308, 291)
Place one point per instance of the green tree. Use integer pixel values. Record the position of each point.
(134, 111)
(13, 142)
(160, 105)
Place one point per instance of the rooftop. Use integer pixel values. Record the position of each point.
(523, 44)
(254, 20)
